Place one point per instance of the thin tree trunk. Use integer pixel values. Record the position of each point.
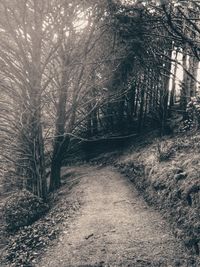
(141, 111)
(173, 90)
(193, 70)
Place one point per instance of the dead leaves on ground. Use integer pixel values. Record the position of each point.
(30, 241)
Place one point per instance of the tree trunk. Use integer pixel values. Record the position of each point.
(34, 133)
(61, 144)
(193, 70)
(131, 103)
(173, 90)
(141, 111)
(59, 140)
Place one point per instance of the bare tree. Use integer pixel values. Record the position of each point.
(25, 54)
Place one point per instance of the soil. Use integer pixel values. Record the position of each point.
(114, 227)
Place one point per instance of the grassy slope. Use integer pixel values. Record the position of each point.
(167, 172)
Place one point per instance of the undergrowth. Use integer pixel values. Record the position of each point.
(21, 209)
(30, 238)
(167, 174)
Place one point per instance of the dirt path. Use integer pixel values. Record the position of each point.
(114, 227)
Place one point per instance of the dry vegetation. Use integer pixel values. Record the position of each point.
(167, 173)
(23, 246)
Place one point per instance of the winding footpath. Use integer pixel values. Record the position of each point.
(114, 227)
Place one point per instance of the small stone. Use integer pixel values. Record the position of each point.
(178, 171)
(180, 176)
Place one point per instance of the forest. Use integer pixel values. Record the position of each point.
(82, 77)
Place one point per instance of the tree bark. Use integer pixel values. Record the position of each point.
(59, 140)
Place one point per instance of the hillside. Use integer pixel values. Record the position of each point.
(99, 218)
(166, 173)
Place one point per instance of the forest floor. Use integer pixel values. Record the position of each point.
(113, 227)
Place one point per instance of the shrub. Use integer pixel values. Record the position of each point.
(22, 209)
(193, 116)
(165, 151)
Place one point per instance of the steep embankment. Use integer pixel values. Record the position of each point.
(166, 172)
(114, 227)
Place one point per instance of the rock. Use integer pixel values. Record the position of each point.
(180, 176)
(178, 171)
